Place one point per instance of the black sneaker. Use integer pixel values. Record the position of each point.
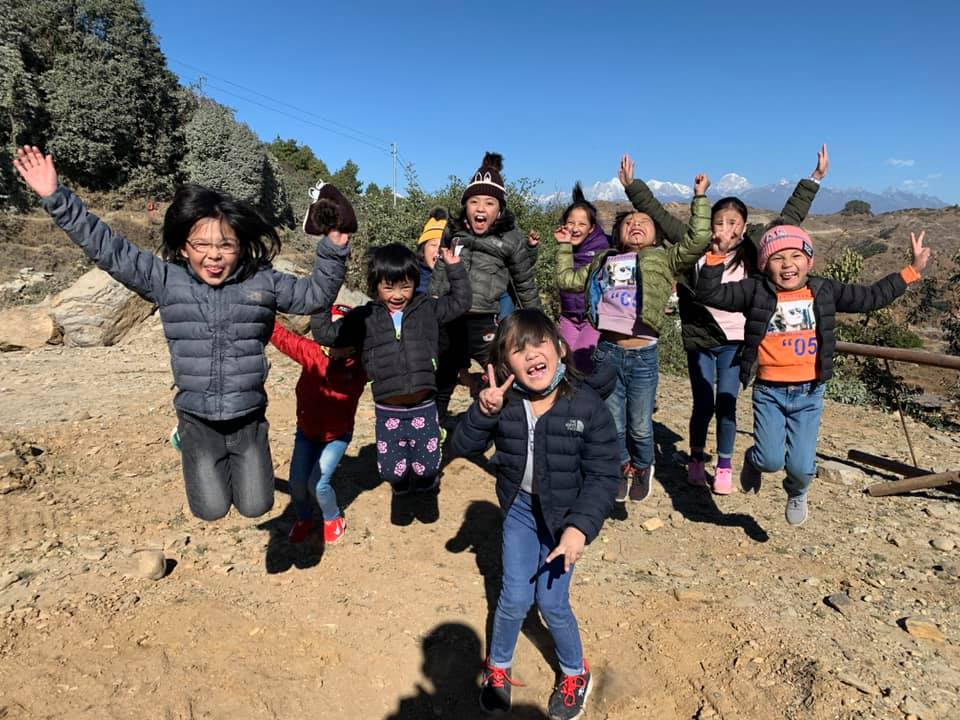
(627, 471)
(570, 695)
(642, 484)
(495, 688)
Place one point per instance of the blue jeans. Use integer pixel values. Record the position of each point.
(507, 306)
(311, 468)
(786, 420)
(721, 366)
(633, 397)
(526, 543)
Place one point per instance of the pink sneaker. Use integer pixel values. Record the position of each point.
(695, 473)
(333, 529)
(723, 481)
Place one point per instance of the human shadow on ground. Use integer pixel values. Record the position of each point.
(695, 504)
(481, 533)
(452, 663)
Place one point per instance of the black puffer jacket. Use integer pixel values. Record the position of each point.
(757, 297)
(576, 463)
(406, 364)
(493, 261)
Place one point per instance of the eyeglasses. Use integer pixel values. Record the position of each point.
(225, 248)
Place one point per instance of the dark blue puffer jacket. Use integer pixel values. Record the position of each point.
(216, 335)
(576, 460)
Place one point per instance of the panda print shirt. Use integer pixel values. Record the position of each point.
(620, 303)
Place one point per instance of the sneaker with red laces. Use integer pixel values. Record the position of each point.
(495, 688)
(723, 481)
(570, 695)
(333, 529)
(696, 475)
(299, 531)
(627, 471)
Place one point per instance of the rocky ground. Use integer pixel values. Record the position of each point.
(690, 606)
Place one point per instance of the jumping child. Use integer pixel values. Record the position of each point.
(789, 341)
(556, 480)
(626, 290)
(218, 295)
(329, 388)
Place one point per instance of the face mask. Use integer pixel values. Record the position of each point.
(557, 377)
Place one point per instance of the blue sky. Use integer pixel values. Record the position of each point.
(561, 89)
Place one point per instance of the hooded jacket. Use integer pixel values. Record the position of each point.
(216, 335)
(572, 304)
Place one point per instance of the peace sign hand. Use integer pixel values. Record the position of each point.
(491, 397)
(921, 254)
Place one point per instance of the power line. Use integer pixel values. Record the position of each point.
(353, 130)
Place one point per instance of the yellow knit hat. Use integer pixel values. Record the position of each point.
(434, 227)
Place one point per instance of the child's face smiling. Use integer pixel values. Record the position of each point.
(637, 232)
(788, 269)
(482, 211)
(212, 249)
(534, 365)
(395, 295)
(578, 223)
(728, 226)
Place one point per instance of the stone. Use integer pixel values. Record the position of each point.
(923, 629)
(689, 595)
(150, 564)
(26, 327)
(93, 554)
(8, 579)
(652, 524)
(912, 706)
(943, 544)
(97, 310)
(840, 602)
(861, 685)
(9, 461)
(838, 473)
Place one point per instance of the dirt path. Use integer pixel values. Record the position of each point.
(718, 613)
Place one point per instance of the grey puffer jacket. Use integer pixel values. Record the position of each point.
(493, 261)
(216, 335)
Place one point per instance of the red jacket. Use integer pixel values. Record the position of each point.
(328, 390)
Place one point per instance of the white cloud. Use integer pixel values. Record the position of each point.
(914, 184)
(901, 163)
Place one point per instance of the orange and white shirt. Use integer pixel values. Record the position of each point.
(788, 351)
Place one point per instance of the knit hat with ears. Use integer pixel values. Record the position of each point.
(487, 180)
(433, 229)
(784, 237)
(329, 210)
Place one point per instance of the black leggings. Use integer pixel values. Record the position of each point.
(469, 337)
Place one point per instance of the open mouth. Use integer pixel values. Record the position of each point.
(480, 219)
(536, 371)
(397, 304)
(214, 270)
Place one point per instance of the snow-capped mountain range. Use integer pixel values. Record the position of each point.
(768, 197)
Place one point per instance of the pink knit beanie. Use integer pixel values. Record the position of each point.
(783, 237)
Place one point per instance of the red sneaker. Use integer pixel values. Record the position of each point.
(333, 529)
(299, 532)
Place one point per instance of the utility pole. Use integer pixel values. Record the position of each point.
(393, 154)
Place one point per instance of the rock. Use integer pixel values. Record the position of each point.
(652, 524)
(839, 473)
(854, 682)
(923, 629)
(8, 579)
(97, 310)
(27, 327)
(150, 564)
(943, 544)
(840, 602)
(911, 706)
(93, 554)
(689, 595)
(9, 461)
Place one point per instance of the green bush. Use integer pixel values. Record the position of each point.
(869, 248)
(857, 207)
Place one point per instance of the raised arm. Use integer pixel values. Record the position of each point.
(643, 200)
(568, 278)
(302, 350)
(456, 302)
(306, 296)
(864, 298)
(684, 255)
(798, 204)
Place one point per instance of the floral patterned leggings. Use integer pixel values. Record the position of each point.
(408, 443)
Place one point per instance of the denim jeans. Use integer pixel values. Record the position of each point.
(311, 467)
(718, 366)
(526, 543)
(786, 420)
(632, 400)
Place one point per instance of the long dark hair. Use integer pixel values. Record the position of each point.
(521, 328)
(391, 263)
(259, 242)
(745, 254)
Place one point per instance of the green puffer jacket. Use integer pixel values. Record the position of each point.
(658, 267)
(493, 262)
(700, 330)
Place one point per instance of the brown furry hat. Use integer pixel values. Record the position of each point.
(330, 210)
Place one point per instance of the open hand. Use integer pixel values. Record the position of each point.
(921, 254)
(36, 169)
(626, 170)
(700, 184)
(570, 546)
(491, 397)
(533, 238)
(823, 164)
(449, 256)
(562, 235)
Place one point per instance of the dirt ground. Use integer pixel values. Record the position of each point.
(717, 609)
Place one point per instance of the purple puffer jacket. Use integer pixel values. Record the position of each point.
(572, 304)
